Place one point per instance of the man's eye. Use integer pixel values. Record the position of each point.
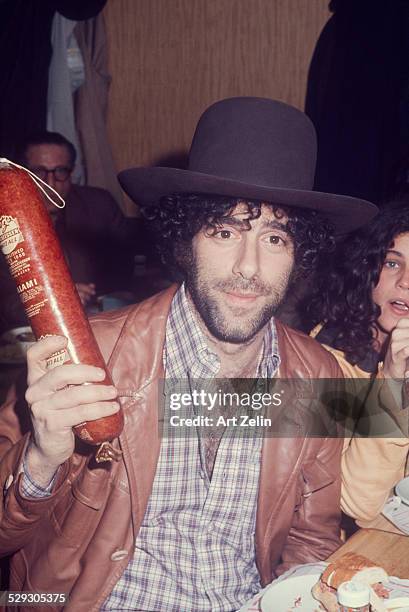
(274, 239)
(224, 234)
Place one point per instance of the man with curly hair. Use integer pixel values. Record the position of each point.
(201, 519)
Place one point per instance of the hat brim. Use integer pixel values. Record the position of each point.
(147, 185)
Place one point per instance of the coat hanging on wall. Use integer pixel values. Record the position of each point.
(25, 46)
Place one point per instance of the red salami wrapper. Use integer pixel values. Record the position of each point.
(47, 291)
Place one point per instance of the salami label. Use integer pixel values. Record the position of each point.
(57, 359)
(10, 234)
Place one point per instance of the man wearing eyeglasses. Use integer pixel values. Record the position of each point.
(92, 229)
(52, 158)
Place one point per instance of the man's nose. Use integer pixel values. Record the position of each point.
(247, 261)
(50, 180)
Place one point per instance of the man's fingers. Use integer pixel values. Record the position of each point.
(60, 377)
(54, 421)
(45, 347)
(90, 412)
(75, 396)
(39, 352)
(86, 289)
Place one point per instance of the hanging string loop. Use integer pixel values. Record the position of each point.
(39, 182)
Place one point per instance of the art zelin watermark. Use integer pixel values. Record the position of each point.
(282, 408)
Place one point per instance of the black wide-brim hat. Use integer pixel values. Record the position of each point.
(255, 149)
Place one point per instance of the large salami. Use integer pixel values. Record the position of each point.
(46, 289)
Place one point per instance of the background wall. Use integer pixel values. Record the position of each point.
(170, 59)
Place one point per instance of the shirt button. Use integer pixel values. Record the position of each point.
(118, 555)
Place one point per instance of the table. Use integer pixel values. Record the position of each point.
(389, 550)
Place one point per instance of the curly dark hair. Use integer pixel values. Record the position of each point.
(343, 298)
(178, 218)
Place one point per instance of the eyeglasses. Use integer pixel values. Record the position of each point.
(60, 173)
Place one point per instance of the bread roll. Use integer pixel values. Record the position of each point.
(350, 567)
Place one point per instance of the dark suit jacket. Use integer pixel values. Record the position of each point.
(97, 239)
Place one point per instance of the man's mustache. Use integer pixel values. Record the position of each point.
(243, 285)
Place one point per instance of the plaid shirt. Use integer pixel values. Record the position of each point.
(195, 548)
(29, 488)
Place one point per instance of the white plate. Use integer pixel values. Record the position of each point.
(402, 490)
(282, 596)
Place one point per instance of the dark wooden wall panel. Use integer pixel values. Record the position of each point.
(169, 59)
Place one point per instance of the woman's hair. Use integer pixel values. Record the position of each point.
(343, 295)
(178, 218)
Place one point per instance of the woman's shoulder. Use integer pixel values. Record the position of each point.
(349, 370)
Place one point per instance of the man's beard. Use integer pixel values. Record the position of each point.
(219, 325)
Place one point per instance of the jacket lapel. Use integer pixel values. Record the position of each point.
(279, 462)
(137, 369)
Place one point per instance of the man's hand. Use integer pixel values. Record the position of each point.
(86, 292)
(61, 398)
(395, 364)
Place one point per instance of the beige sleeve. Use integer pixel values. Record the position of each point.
(370, 469)
(371, 466)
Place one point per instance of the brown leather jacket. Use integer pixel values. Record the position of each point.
(80, 539)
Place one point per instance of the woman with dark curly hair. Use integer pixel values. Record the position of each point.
(364, 295)
(362, 304)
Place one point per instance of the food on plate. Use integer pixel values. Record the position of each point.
(355, 568)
